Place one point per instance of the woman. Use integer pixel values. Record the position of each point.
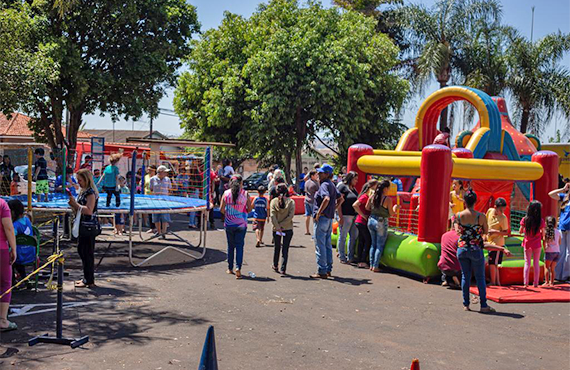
(277, 174)
(87, 203)
(8, 255)
(282, 211)
(562, 269)
(361, 222)
(471, 226)
(347, 216)
(381, 209)
(235, 206)
(311, 188)
(6, 171)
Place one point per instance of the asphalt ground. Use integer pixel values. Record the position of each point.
(156, 317)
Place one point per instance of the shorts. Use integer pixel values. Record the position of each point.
(259, 225)
(308, 209)
(161, 217)
(495, 257)
(552, 256)
(42, 187)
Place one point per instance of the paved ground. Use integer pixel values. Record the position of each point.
(156, 318)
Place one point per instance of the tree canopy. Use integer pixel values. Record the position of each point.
(117, 57)
(289, 75)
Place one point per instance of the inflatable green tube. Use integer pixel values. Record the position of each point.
(404, 252)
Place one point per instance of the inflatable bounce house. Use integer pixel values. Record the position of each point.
(495, 160)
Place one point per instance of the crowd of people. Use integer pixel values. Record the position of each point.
(363, 229)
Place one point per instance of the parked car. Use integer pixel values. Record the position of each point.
(255, 180)
(22, 171)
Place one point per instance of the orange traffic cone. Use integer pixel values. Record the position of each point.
(415, 364)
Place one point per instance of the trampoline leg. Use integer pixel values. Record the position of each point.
(131, 241)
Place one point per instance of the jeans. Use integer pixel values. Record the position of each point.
(562, 269)
(284, 249)
(86, 250)
(378, 227)
(323, 244)
(110, 192)
(364, 241)
(348, 228)
(472, 259)
(236, 240)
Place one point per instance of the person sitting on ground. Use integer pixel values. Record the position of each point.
(160, 184)
(552, 237)
(260, 206)
(22, 226)
(444, 137)
(282, 213)
(498, 229)
(8, 254)
(448, 263)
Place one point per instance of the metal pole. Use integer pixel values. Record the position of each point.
(151, 127)
(30, 174)
(59, 312)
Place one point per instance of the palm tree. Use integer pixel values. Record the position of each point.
(538, 84)
(440, 34)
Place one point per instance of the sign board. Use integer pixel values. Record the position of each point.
(97, 152)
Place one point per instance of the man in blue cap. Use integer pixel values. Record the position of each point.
(327, 200)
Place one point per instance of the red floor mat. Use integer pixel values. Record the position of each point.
(518, 294)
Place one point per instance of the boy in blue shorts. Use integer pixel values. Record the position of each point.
(259, 215)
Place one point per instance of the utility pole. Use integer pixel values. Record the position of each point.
(532, 25)
(151, 127)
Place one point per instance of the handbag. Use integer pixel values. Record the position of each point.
(90, 228)
(76, 223)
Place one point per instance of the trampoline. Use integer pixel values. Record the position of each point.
(143, 204)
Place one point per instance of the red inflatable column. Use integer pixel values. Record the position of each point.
(354, 153)
(435, 174)
(548, 182)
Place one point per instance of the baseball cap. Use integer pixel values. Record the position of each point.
(162, 169)
(325, 168)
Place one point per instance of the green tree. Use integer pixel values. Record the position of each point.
(117, 57)
(539, 85)
(439, 36)
(275, 82)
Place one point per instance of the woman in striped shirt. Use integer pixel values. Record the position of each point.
(235, 207)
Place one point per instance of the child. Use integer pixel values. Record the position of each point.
(456, 197)
(259, 215)
(121, 218)
(552, 237)
(41, 175)
(498, 229)
(110, 178)
(532, 227)
(22, 226)
(97, 179)
(14, 185)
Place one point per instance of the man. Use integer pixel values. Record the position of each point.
(70, 182)
(327, 200)
(302, 181)
(160, 184)
(87, 163)
(227, 173)
(448, 263)
(443, 138)
(311, 188)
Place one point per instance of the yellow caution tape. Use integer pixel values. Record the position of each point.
(51, 259)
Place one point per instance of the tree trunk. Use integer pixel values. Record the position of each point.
(301, 134)
(524, 120)
(443, 115)
(287, 160)
(73, 129)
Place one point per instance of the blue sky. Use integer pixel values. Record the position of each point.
(550, 16)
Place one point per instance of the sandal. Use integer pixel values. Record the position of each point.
(81, 284)
(487, 309)
(275, 268)
(11, 326)
(318, 276)
(238, 274)
(466, 308)
(229, 272)
(376, 269)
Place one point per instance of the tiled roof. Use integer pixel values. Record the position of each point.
(17, 125)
